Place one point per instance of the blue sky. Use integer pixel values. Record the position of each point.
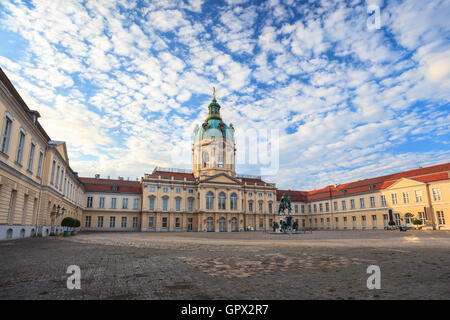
(124, 83)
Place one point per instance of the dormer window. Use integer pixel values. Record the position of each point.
(115, 188)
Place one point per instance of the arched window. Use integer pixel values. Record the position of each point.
(165, 203)
(205, 159)
(178, 204)
(222, 200)
(151, 203)
(233, 201)
(190, 204)
(210, 200)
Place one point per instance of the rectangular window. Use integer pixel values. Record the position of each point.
(136, 203)
(178, 204)
(422, 217)
(135, 222)
(394, 198)
(352, 203)
(250, 206)
(315, 207)
(40, 163)
(151, 222)
(124, 222)
(335, 205)
(152, 188)
(372, 202)
(6, 135)
(52, 179)
(397, 219)
(57, 177)
(321, 207)
(178, 190)
(374, 221)
(345, 222)
(385, 220)
(100, 222)
(164, 222)
(327, 207)
(112, 222)
(436, 194)
(191, 204)
(113, 203)
(89, 202)
(20, 147)
(177, 223)
(405, 197)
(31, 157)
(337, 222)
(309, 208)
(441, 218)
(61, 179)
(361, 203)
(383, 201)
(296, 208)
(125, 203)
(328, 223)
(303, 208)
(270, 207)
(344, 205)
(165, 189)
(165, 204)
(101, 202)
(191, 191)
(418, 194)
(363, 219)
(354, 222)
(87, 222)
(151, 203)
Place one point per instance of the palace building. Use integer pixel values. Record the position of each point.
(38, 188)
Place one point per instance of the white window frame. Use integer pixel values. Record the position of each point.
(31, 154)
(40, 164)
(21, 146)
(5, 144)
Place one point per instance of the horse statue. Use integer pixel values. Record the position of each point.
(285, 203)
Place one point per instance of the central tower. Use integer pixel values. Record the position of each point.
(214, 146)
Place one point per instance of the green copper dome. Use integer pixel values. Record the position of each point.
(213, 125)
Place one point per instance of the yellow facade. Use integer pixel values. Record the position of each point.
(38, 189)
(29, 203)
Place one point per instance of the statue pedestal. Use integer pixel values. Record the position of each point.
(285, 224)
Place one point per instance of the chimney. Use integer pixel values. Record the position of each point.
(120, 178)
(97, 176)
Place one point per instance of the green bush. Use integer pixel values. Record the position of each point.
(417, 222)
(67, 222)
(391, 223)
(77, 223)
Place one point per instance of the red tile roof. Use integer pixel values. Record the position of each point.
(427, 174)
(106, 185)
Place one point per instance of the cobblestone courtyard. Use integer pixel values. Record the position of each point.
(247, 265)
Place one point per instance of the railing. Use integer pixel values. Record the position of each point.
(248, 176)
(174, 170)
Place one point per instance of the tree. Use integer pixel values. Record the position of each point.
(417, 223)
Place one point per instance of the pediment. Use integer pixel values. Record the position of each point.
(221, 178)
(405, 183)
